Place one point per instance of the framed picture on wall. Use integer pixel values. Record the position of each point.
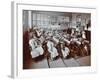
(52, 40)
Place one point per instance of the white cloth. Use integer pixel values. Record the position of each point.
(34, 53)
(55, 39)
(75, 39)
(66, 40)
(65, 52)
(32, 43)
(36, 49)
(78, 42)
(52, 50)
(38, 33)
(37, 52)
(72, 31)
(83, 35)
(42, 39)
(77, 29)
(39, 49)
(85, 47)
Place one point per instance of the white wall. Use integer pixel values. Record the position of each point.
(5, 40)
(27, 19)
(84, 19)
(49, 17)
(74, 20)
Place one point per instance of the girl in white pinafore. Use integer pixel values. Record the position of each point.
(52, 50)
(65, 50)
(83, 35)
(36, 49)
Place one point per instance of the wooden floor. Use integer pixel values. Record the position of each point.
(83, 61)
